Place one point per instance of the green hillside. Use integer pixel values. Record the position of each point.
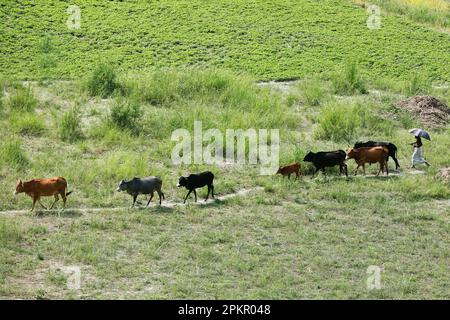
(267, 39)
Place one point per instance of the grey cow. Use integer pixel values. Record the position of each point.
(147, 185)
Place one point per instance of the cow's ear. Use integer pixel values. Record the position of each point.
(19, 182)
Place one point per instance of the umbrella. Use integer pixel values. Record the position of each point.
(420, 133)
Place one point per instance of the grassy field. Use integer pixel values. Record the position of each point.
(433, 13)
(167, 64)
(297, 38)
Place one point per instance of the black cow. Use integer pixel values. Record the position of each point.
(138, 186)
(392, 148)
(327, 159)
(194, 181)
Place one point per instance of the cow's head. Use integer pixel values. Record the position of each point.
(309, 157)
(19, 187)
(182, 182)
(350, 153)
(122, 186)
(279, 170)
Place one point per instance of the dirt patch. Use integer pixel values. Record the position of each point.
(444, 174)
(428, 110)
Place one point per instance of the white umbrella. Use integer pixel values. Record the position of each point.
(420, 133)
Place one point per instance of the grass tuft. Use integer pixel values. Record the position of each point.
(102, 81)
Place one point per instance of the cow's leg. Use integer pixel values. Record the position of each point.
(207, 195)
(212, 191)
(381, 168)
(134, 199)
(397, 165)
(345, 170)
(387, 169)
(34, 203)
(151, 197)
(297, 174)
(39, 200)
(56, 199)
(289, 176)
(356, 171)
(160, 195)
(195, 195)
(315, 171)
(187, 196)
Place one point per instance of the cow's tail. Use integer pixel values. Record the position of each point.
(395, 150)
(67, 188)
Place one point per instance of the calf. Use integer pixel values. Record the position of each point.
(38, 188)
(369, 155)
(392, 148)
(194, 181)
(324, 159)
(289, 169)
(138, 186)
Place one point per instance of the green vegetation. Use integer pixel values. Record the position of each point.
(22, 99)
(69, 127)
(348, 80)
(27, 124)
(13, 155)
(434, 13)
(110, 95)
(102, 82)
(299, 38)
(312, 238)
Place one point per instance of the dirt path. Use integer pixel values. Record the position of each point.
(165, 204)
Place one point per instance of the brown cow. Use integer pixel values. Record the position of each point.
(369, 155)
(38, 188)
(289, 169)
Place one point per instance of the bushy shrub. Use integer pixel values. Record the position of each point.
(102, 82)
(22, 99)
(348, 80)
(12, 154)
(70, 126)
(27, 124)
(125, 114)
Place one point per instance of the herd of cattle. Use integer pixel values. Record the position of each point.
(362, 153)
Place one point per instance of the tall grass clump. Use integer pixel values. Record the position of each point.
(417, 84)
(27, 124)
(12, 155)
(10, 233)
(346, 122)
(164, 87)
(69, 126)
(102, 82)
(313, 92)
(22, 99)
(348, 80)
(125, 114)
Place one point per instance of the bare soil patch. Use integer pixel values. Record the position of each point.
(428, 110)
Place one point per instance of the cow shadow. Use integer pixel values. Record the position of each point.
(66, 213)
(152, 209)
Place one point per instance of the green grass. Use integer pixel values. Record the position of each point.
(434, 13)
(298, 39)
(138, 71)
(313, 238)
(69, 126)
